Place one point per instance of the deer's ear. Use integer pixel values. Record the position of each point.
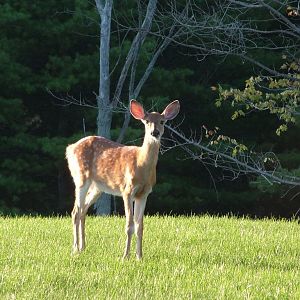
(137, 110)
(172, 110)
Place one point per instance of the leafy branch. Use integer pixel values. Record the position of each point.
(278, 96)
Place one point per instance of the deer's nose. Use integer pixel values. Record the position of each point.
(155, 133)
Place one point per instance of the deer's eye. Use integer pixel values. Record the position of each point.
(162, 122)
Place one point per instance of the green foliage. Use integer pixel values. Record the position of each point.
(28, 162)
(11, 111)
(277, 96)
(219, 141)
(54, 45)
(290, 160)
(184, 257)
(39, 49)
(26, 172)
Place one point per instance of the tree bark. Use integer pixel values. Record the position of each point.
(104, 118)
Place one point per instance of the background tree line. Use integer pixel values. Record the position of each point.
(54, 46)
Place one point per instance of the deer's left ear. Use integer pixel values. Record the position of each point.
(172, 110)
(137, 110)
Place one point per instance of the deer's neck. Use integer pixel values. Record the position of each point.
(148, 154)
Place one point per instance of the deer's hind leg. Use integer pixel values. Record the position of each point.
(80, 194)
(75, 224)
(92, 195)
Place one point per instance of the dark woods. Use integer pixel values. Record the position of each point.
(51, 48)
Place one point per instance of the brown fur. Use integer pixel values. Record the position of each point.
(99, 165)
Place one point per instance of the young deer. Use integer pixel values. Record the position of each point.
(99, 165)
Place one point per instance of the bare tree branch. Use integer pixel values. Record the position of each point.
(228, 28)
(241, 164)
(135, 91)
(138, 40)
(281, 17)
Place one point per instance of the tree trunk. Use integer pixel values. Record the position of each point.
(103, 204)
(104, 118)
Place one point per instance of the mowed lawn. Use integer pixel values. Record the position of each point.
(184, 258)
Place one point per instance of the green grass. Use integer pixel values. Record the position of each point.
(184, 258)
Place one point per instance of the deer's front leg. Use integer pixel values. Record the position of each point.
(139, 209)
(129, 227)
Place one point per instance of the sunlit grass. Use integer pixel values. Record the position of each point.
(184, 258)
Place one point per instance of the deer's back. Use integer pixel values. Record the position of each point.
(111, 165)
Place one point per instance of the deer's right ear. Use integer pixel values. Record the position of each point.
(137, 110)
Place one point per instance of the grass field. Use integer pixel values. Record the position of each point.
(184, 258)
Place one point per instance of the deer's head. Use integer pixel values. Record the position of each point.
(154, 122)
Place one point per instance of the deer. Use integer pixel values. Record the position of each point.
(100, 165)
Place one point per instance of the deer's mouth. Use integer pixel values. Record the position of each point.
(155, 133)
